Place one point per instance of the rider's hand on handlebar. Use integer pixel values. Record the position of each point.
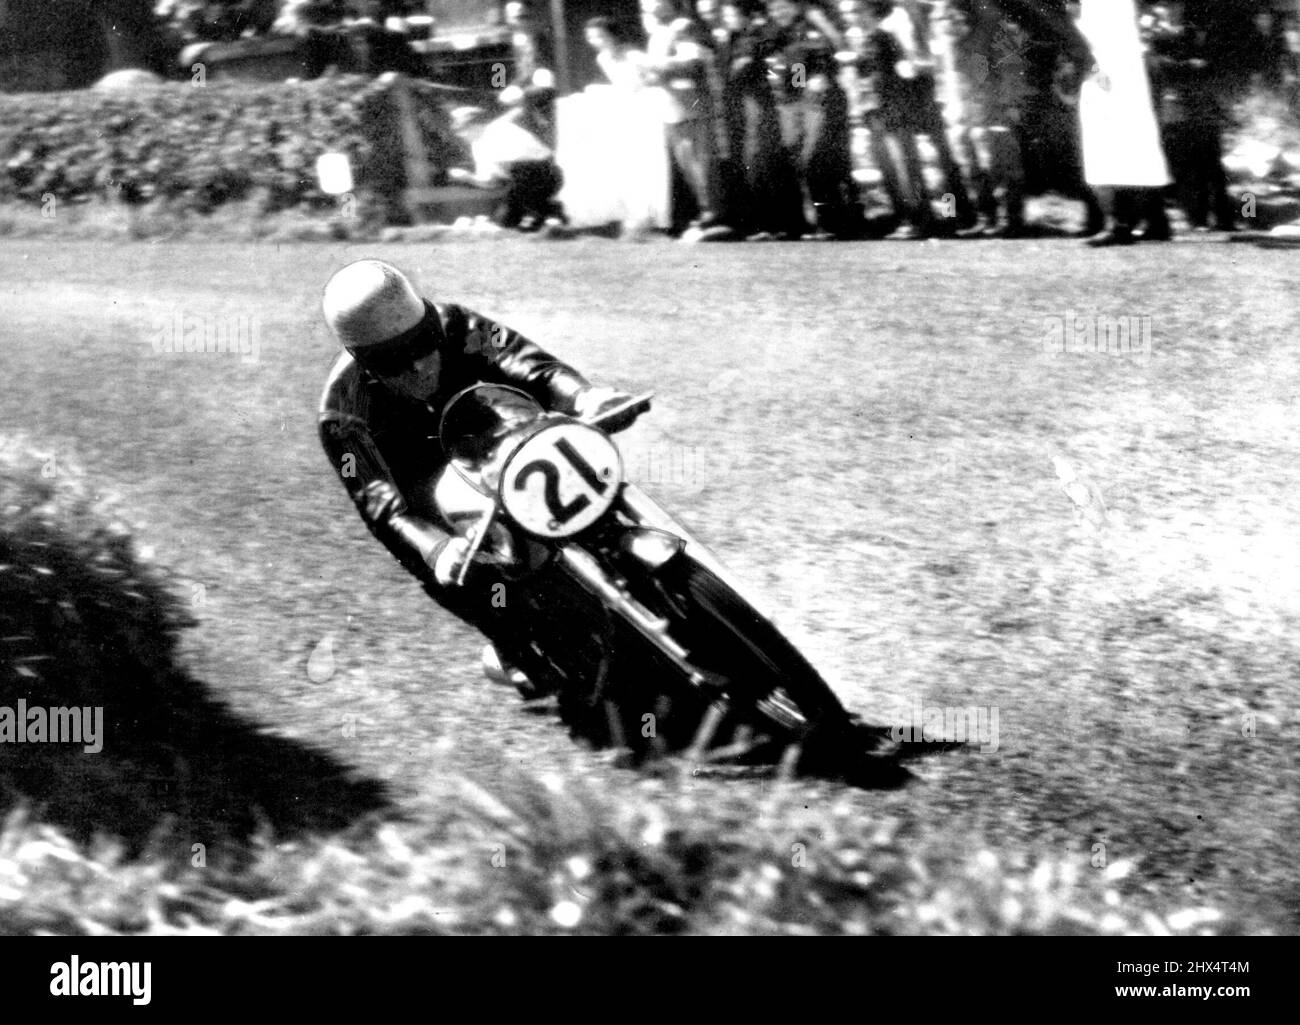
(596, 400)
(448, 559)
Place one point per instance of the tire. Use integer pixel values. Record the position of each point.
(728, 636)
(607, 679)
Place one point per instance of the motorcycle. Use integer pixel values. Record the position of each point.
(618, 610)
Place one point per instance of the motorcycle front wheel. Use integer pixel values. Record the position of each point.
(769, 682)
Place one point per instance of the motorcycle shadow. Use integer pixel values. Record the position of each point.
(865, 757)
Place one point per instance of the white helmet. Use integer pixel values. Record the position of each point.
(369, 304)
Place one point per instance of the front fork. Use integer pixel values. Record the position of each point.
(652, 628)
(645, 511)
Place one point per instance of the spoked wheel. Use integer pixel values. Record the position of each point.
(771, 685)
(765, 703)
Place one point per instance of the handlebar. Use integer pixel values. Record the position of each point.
(638, 403)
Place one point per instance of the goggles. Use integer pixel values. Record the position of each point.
(399, 354)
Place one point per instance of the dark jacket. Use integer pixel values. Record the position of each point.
(385, 448)
(744, 95)
(884, 94)
(1184, 78)
(795, 56)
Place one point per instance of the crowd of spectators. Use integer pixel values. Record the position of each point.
(225, 21)
(966, 107)
(771, 110)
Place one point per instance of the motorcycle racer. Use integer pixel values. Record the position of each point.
(404, 357)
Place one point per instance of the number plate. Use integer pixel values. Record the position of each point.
(561, 480)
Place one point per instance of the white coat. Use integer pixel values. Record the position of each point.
(1121, 141)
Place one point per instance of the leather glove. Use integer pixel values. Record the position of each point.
(448, 558)
(591, 402)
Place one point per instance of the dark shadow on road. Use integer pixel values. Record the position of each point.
(84, 624)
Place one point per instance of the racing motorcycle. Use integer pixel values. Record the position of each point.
(621, 613)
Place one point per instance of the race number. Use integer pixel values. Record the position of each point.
(561, 480)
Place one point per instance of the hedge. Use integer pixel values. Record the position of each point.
(88, 621)
(197, 147)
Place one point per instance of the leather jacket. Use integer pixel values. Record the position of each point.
(385, 446)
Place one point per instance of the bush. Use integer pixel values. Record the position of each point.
(197, 148)
(86, 622)
(541, 855)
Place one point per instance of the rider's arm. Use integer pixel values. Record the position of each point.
(504, 356)
(423, 547)
(345, 434)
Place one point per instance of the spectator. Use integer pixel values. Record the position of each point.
(258, 16)
(1056, 60)
(708, 17)
(303, 17)
(522, 141)
(764, 199)
(531, 178)
(800, 46)
(214, 22)
(988, 73)
(618, 61)
(709, 14)
(529, 41)
(872, 60)
(630, 151)
(679, 62)
(371, 47)
(1290, 30)
(919, 100)
(1270, 51)
(299, 17)
(1190, 111)
(532, 88)
(1122, 156)
(316, 23)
